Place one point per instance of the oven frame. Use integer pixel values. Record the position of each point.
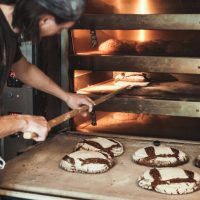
(183, 107)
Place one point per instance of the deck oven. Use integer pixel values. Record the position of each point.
(156, 42)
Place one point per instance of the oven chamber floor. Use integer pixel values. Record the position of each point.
(37, 171)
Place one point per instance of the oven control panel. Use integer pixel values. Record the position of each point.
(18, 100)
(12, 81)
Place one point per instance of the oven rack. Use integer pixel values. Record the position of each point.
(135, 63)
(167, 98)
(139, 21)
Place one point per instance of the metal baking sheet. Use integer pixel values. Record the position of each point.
(37, 171)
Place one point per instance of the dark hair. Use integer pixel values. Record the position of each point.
(8, 1)
(27, 14)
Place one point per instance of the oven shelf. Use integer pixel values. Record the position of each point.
(185, 65)
(139, 21)
(152, 106)
(169, 98)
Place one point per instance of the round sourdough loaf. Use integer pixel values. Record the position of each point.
(160, 157)
(87, 162)
(114, 46)
(170, 180)
(100, 144)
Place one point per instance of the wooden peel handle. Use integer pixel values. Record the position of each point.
(64, 117)
(58, 120)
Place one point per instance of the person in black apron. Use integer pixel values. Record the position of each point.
(34, 19)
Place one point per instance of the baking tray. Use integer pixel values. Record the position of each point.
(37, 172)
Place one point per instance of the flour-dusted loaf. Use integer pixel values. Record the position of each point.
(100, 144)
(170, 180)
(160, 157)
(87, 162)
(197, 161)
(131, 77)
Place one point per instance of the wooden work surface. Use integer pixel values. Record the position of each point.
(37, 171)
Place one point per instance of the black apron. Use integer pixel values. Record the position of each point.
(9, 52)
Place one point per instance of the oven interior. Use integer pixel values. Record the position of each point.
(169, 106)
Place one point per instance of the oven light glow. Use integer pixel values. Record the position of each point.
(142, 7)
(142, 10)
(141, 35)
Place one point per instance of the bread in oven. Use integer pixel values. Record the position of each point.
(87, 162)
(114, 46)
(150, 48)
(170, 180)
(160, 157)
(100, 144)
(183, 48)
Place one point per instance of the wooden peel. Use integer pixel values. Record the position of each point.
(64, 117)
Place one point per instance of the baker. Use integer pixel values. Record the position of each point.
(34, 19)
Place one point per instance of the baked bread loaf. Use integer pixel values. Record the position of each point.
(170, 180)
(100, 144)
(160, 157)
(87, 162)
(114, 46)
(183, 48)
(150, 48)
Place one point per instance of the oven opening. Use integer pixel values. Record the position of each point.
(105, 58)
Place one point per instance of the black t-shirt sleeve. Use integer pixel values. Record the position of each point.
(18, 54)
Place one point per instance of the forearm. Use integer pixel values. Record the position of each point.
(24, 123)
(33, 76)
(11, 124)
